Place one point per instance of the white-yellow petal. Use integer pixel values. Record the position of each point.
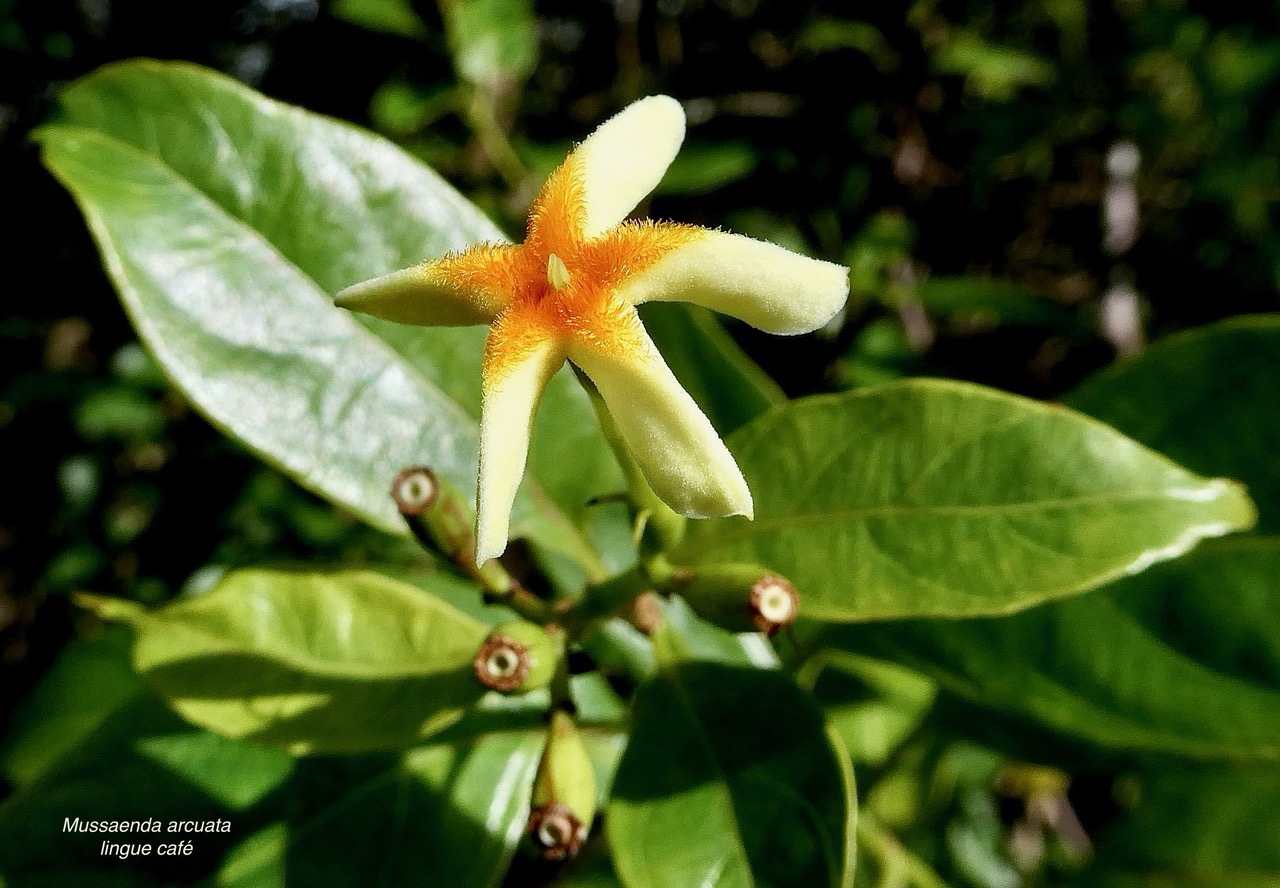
(769, 287)
(506, 419)
(420, 295)
(626, 157)
(671, 440)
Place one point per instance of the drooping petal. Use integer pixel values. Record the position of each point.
(519, 361)
(670, 438)
(625, 158)
(769, 287)
(468, 287)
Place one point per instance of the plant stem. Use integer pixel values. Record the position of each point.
(442, 521)
(484, 123)
(522, 601)
(599, 601)
(899, 867)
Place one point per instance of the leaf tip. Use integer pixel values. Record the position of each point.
(106, 607)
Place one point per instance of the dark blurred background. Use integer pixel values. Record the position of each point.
(1024, 191)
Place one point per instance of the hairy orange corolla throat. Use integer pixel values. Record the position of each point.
(570, 291)
(560, 283)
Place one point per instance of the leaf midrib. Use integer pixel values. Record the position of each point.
(306, 665)
(760, 527)
(722, 780)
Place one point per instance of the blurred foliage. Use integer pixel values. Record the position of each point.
(959, 156)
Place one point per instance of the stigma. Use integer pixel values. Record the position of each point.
(557, 272)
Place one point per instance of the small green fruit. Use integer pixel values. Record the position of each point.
(564, 793)
(740, 597)
(516, 658)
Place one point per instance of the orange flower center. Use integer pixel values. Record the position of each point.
(559, 283)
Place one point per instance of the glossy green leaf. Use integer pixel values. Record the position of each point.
(731, 778)
(928, 497)
(227, 221)
(730, 388)
(1208, 398)
(684, 636)
(448, 812)
(440, 815)
(1183, 659)
(315, 662)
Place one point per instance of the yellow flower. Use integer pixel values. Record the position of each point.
(570, 291)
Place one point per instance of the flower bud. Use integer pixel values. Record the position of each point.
(564, 793)
(740, 597)
(516, 658)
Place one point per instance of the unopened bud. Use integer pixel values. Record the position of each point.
(740, 597)
(516, 658)
(564, 793)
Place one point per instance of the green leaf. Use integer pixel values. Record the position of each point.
(703, 168)
(1214, 828)
(141, 762)
(493, 41)
(390, 16)
(934, 498)
(315, 662)
(684, 636)
(731, 778)
(440, 815)
(1208, 398)
(729, 387)
(90, 680)
(448, 814)
(822, 34)
(874, 706)
(992, 71)
(1183, 659)
(227, 221)
(971, 302)
(119, 412)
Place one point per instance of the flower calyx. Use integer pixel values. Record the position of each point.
(414, 490)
